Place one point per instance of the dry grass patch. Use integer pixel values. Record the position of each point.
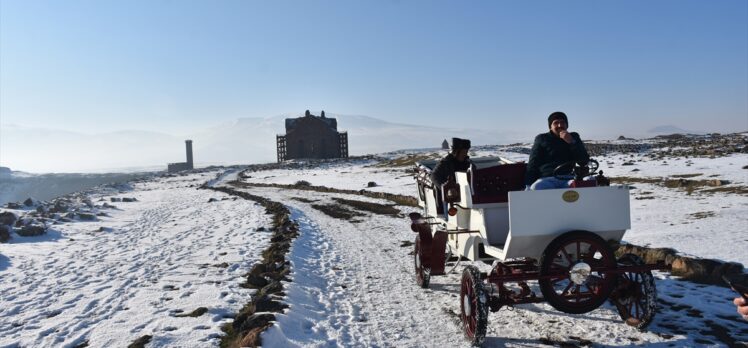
(738, 190)
(196, 313)
(686, 176)
(304, 200)
(337, 211)
(407, 160)
(702, 214)
(375, 208)
(681, 183)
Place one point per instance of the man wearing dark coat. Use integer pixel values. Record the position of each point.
(456, 160)
(551, 149)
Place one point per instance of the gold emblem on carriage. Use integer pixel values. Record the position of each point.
(570, 196)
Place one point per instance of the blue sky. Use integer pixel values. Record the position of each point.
(615, 67)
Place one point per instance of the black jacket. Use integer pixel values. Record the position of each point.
(549, 151)
(447, 167)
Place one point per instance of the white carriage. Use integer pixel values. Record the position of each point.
(560, 237)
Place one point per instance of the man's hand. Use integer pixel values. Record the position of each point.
(742, 307)
(566, 136)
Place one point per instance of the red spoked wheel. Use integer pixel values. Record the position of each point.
(423, 273)
(577, 263)
(635, 295)
(473, 306)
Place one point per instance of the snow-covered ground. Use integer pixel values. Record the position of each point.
(352, 280)
(671, 219)
(170, 252)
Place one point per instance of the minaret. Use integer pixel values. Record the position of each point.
(188, 144)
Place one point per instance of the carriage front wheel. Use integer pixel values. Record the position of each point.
(635, 295)
(574, 270)
(423, 272)
(473, 306)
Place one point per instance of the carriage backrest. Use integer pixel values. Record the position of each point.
(492, 184)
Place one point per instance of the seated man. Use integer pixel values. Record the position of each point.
(456, 160)
(552, 149)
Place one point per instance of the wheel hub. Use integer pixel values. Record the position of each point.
(579, 273)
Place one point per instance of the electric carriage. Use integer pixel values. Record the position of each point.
(560, 237)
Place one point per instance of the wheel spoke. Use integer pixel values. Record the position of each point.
(555, 281)
(566, 255)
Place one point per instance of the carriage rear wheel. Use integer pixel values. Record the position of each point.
(423, 273)
(577, 263)
(635, 295)
(473, 306)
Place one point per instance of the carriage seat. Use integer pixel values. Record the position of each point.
(492, 184)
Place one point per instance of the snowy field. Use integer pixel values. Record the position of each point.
(666, 217)
(169, 253)
(172, 252)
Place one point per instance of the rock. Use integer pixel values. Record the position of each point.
(13, 205)
(272, 288)
(256, 281)
(87, 216)
(129, 199)
(717, 182)
(32, 230)
(115, 199)
(212, 200)
(4, 233)
(266, 304)
(29, 202)
(258, 269)
(7, 218)
(253, 321)
(60, 206)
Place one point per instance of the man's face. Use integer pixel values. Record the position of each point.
(557, 126)
(461, 155)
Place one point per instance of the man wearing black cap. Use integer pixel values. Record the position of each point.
(456, 160)
(552, 149)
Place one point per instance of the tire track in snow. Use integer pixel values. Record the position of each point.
(368, 290)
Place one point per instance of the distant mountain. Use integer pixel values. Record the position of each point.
(242, 141)
(670, 129)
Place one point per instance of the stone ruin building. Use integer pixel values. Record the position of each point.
(312, 137)
(178, 167)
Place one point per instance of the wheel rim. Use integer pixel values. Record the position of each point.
(578, 272)
(467, 315)
(417, 262)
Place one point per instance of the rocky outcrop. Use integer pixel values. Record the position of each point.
(32, 230)
(704, 271)
(7, 218)
(5, 233)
